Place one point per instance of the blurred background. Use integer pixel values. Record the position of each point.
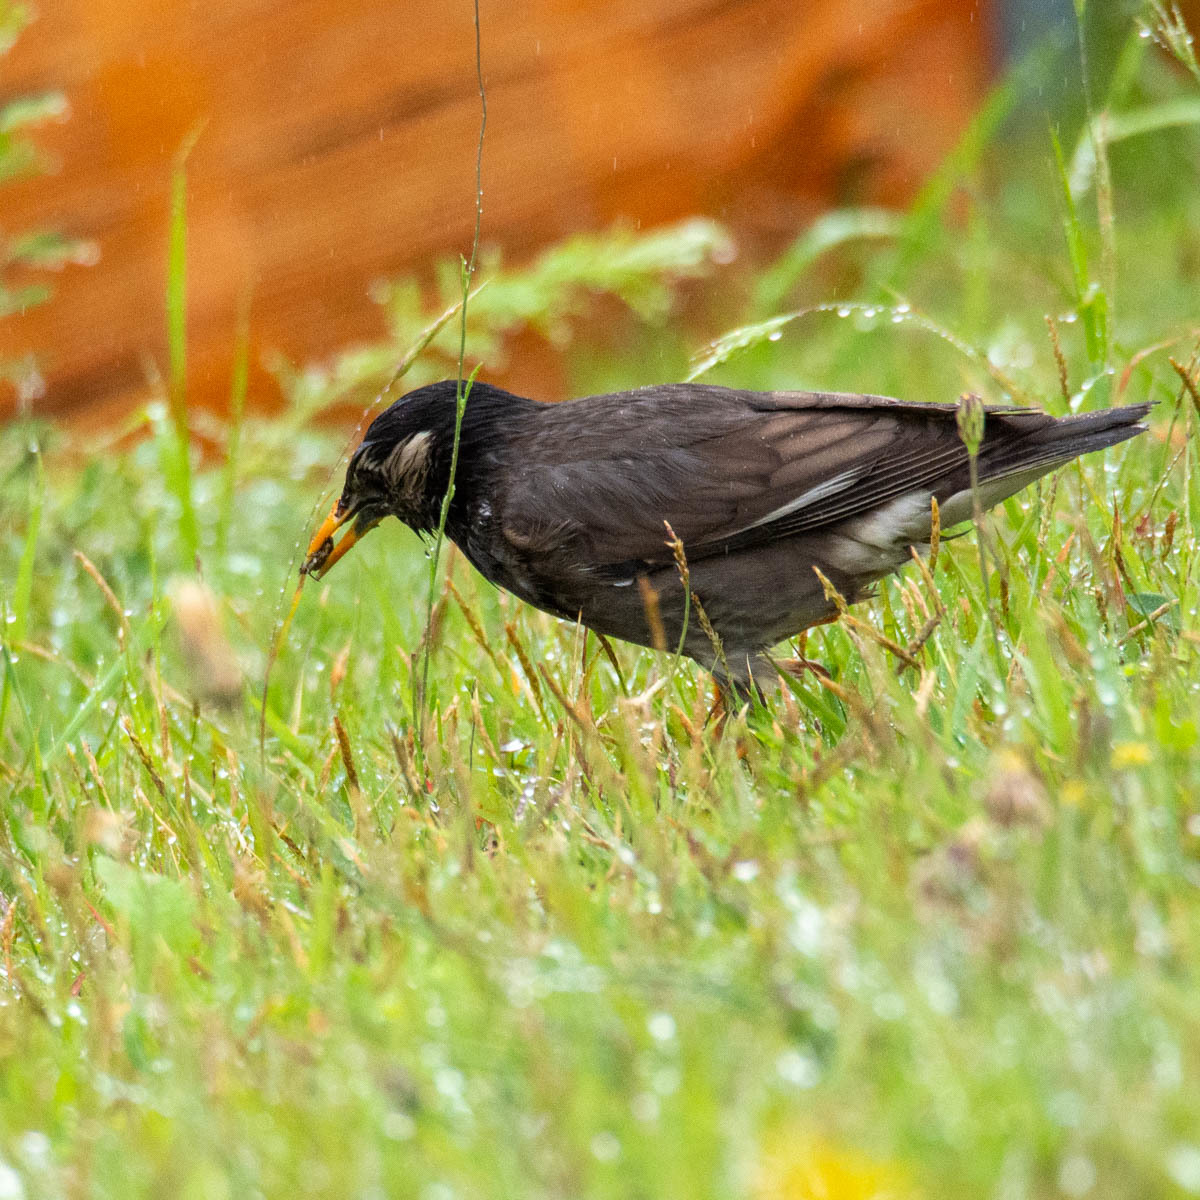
(268, 926)
(334, 145)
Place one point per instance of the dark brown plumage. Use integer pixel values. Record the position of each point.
(564, 504)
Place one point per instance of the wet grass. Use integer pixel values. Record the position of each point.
(933, 932)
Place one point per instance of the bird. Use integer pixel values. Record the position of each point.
(786, 503)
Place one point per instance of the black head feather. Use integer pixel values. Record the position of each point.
(402, 466)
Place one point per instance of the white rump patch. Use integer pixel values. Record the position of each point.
(900, 522)
(875, 544)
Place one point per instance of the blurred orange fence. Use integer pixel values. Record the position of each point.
(337, 139)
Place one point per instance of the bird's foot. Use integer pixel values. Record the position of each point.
(718, 712)
(795, 667)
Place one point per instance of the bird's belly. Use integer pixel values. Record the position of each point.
(754, 598)
(514, 573)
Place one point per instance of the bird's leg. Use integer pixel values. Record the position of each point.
(734, 693)
(728, 698)
(718, 712)
(796, 667)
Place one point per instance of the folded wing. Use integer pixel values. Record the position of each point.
(728, 469)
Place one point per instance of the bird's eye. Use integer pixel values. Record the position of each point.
(368, 479)
(366, 460)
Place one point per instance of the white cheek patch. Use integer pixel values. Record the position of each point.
(408, 461)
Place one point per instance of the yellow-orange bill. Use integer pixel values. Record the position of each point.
(322, 553)
(348, 539)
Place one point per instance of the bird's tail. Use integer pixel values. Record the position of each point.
(1057, 442)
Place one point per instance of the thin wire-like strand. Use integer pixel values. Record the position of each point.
(463, 388)
(283, 622)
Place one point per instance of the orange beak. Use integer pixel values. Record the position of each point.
(322, 553)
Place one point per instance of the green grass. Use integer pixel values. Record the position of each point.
(935, 935)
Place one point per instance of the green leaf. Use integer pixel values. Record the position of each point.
(47, 250)
(1090, 300)
(824, 234)
(33, 110)
(1178, 113)
(155, 906)
(1145, 604)
(23, 588)
(736, 341)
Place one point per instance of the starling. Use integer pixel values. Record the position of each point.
(567, 505)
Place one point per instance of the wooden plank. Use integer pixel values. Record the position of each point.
(339, 137)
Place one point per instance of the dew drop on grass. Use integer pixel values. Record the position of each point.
(34, 1147)
(11, 1187)
(798, 1068)
(1183, 1165)
(606, 1147)
(661, 1026)
(1076, 1175)
(666, 1080)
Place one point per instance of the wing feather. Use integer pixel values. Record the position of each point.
(728, 469)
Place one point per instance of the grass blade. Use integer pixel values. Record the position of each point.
(177, 461)
(23, 587)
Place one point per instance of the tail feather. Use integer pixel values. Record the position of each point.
(1042, 449)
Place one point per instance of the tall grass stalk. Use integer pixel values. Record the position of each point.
(177, 463)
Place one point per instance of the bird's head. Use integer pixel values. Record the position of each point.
(401, 468)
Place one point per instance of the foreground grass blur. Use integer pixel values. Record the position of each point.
(935, 934)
